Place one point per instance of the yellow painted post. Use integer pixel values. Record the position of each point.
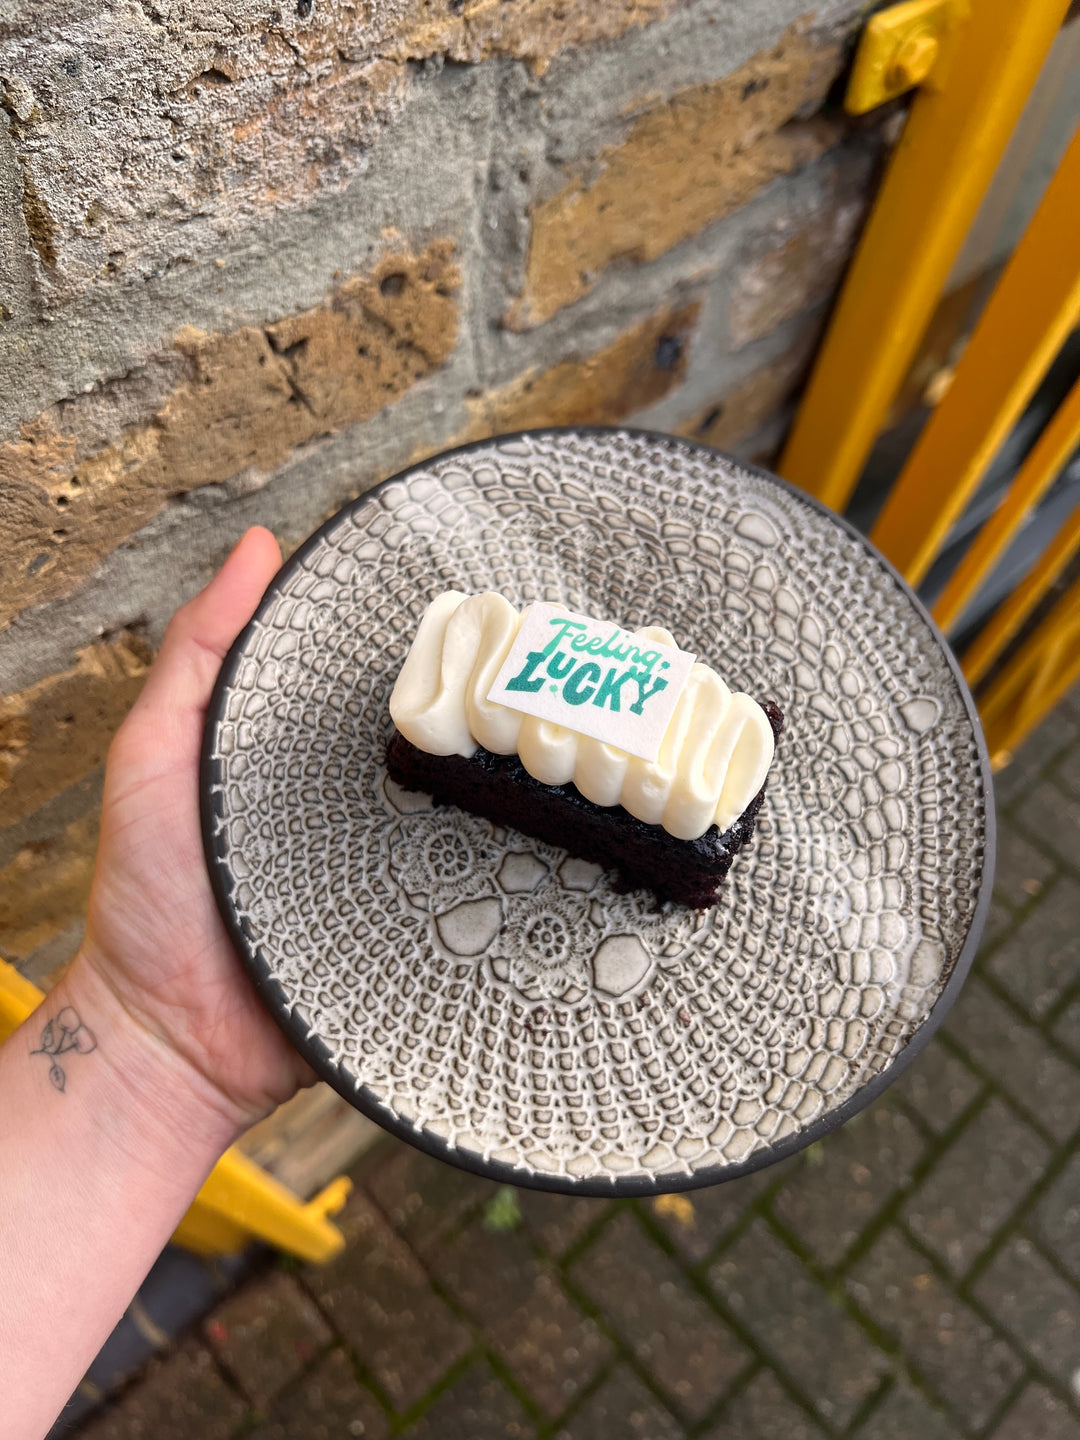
(1007, 619)
(1036, 475)
(1034, 681)
(239, 1201)
(19, 998)
(1034, 306)
(958, 128)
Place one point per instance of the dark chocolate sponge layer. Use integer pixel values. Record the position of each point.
(499, 788)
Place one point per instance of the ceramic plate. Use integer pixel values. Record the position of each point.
(500, 1004)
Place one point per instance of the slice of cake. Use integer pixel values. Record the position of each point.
(615, 745)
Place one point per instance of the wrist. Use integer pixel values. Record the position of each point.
(148, 1097)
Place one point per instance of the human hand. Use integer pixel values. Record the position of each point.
(154, 935)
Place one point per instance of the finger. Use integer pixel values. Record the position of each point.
(200, 633)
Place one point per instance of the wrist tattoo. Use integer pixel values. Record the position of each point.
(59, 1037)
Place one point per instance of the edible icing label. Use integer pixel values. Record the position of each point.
(593, 678)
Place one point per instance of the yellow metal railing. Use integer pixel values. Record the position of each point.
(979, 61)
(239, 1202)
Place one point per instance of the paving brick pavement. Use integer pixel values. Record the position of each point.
(916, 1276)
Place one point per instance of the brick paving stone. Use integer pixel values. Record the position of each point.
(181, 1396)
(1042, 1083)
(1040, 960)
(622, 1409)
(424, 1198)
(976, 1185)
(266, 1334)
(477, 1407)
(1067, 1026)
(1051, 815)
(796, 1323)
(549, 1346)
(1056, 1219)
(1032, 1302)
(829, 1205)
(939, 1087)
(966, 1363)
(1022, 869)
(713, 1210)
(764, 1411)
(671, 1329)
(1038, 1416)
(905, 1415)
(328, 1404)
(1042, 747)
(559, 1221)
(999, 919)
(381, 1302)
(1067, 770)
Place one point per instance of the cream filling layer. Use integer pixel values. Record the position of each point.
(713, 759)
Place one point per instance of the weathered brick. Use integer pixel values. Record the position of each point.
(686, 162)
(558, 1221)
(1038, 1416)
(1000, 919)
(1051, 814)
(1032, 1302)
(1022, 869)
(226, 125)
(381, 1302)
(797, 1324)
(535, 31)
(328, 1404)
(552, 1349)
(1041, 1083)
(696, 1221)
(672, 1331)
(266, 1335)
(1042, 747)
(905, 1415)
(743, 409)
(962, 1358)
(635, 370)
(939, 1086)
(1067, 770)
(179, 1396)
(55, 732)
(477, 1407)
(245, 400)
(45, 887)
(1040, 960)
(424, 1198)
(764, 1410)
(1067, 1027)
(622, 1409)
(828, 1205)
(976, 1185)
(801, 271)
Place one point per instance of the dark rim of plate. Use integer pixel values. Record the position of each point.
(317, 1053)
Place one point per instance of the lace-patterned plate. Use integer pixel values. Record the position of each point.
(499, 1004)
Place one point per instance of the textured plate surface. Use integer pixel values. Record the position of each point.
(500, 1004)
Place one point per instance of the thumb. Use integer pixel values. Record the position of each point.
(200, 633)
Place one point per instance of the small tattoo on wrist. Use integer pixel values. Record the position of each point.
(59, 1037)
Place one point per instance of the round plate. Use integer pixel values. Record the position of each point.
(501, 1005)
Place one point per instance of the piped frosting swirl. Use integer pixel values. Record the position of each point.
(713, 759)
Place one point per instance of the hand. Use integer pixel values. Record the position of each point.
(154, 934)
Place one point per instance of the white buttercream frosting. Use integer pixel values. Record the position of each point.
(713, 760)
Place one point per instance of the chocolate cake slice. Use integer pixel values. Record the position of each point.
(615, 744)
(499, 788)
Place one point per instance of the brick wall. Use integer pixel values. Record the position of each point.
(253, 259)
